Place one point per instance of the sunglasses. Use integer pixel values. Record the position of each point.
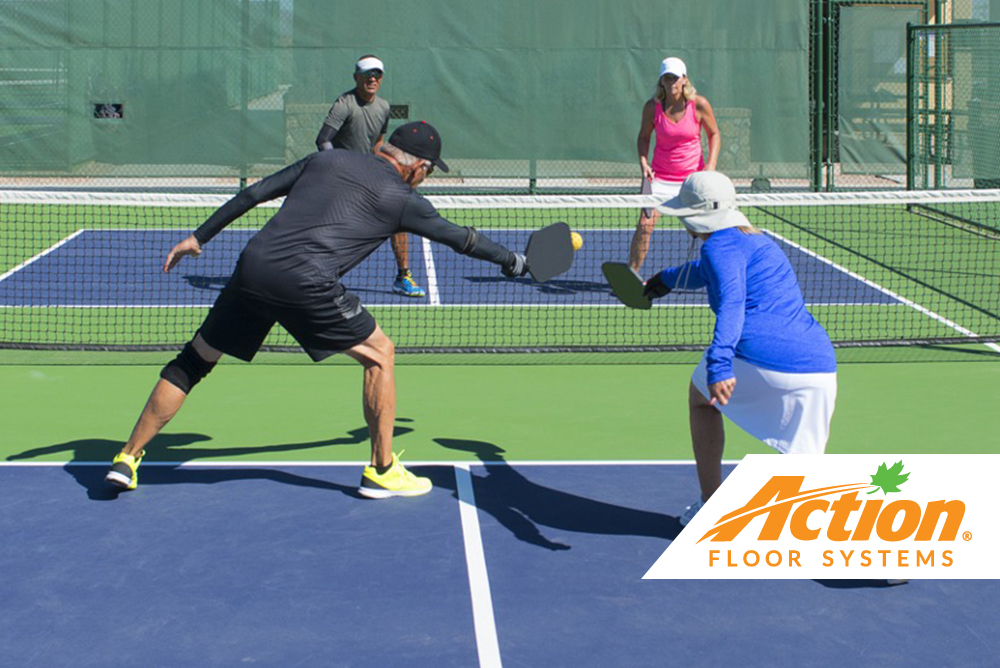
(428, 168)
(371, 74)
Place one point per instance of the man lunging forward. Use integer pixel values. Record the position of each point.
(339, 207)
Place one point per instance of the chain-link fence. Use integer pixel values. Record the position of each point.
(955, 106)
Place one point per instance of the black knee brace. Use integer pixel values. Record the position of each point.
(187, 369)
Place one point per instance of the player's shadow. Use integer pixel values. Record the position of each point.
(91, 478)
(214, 283)
(554, 286)
(522, 506)
(855, 584)
(173, 449)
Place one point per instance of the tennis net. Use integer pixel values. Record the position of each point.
(82, 271)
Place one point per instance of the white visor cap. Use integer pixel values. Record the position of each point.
(370, 63)
(706, 203)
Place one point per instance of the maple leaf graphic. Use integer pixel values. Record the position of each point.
(889, 479)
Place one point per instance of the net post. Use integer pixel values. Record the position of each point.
(816, 111)
(244, 93)
(910, 92)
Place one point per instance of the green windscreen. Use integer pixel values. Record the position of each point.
(871, 99)
(201, 92)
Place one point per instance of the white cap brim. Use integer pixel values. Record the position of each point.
(674, 207)
(701, 220)
(722, 219)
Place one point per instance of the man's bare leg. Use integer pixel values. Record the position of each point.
(163, 404)
(401, 249)
(377, 355)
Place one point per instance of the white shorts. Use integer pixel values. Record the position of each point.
(663, 190)
(790, 412)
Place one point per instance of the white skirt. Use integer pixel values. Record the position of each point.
(790, 412)
(663, 190)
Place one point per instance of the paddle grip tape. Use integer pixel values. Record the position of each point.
(187, 369)
(471, 237)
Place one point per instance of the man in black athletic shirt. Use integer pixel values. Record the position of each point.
(339, 207)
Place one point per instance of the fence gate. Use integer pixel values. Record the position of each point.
(954, 106)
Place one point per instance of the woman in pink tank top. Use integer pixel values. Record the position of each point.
(677, 115)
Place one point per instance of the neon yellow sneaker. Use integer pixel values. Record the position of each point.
(124, 472)
(397, 481)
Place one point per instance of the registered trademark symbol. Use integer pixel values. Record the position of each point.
(967, 535)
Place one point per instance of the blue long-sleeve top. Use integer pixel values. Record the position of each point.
(760, 314)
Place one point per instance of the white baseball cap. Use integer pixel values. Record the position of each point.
(673, 66)
(368, 64)
(706, 203)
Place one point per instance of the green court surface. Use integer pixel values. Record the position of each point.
(562, 412)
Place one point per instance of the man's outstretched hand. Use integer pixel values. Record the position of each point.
(189, 246)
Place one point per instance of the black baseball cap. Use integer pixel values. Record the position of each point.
(420, 139)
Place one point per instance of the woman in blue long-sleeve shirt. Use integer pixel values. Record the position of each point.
(764, 337)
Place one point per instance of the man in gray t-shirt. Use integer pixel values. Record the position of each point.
(358, 121)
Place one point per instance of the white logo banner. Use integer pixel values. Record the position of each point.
(845, 517)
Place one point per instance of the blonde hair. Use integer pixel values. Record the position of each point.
(689, 92)
(749, 229)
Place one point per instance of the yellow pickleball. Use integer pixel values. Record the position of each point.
(577, 241)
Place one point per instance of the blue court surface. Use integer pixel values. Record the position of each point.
(502, 564)
(108, 268)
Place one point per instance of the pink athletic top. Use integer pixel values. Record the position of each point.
(678, 145)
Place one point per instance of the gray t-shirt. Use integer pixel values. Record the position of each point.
(355, 124)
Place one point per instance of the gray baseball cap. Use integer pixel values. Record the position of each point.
(706, 203)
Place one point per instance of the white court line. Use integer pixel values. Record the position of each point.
(433, 294)
(479, 582)
(921, 309)
(40, 255)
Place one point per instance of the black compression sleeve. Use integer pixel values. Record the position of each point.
(421, 218)
(324, 140)
(271, 187)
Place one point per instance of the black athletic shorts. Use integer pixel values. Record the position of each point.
(238, 323)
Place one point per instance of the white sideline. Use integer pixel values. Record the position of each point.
(40, 255)
(487, 644)
(433, 294)
(920, 309)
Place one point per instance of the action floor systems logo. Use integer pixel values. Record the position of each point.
(844, 516)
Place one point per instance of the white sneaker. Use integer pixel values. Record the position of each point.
(690, 512)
